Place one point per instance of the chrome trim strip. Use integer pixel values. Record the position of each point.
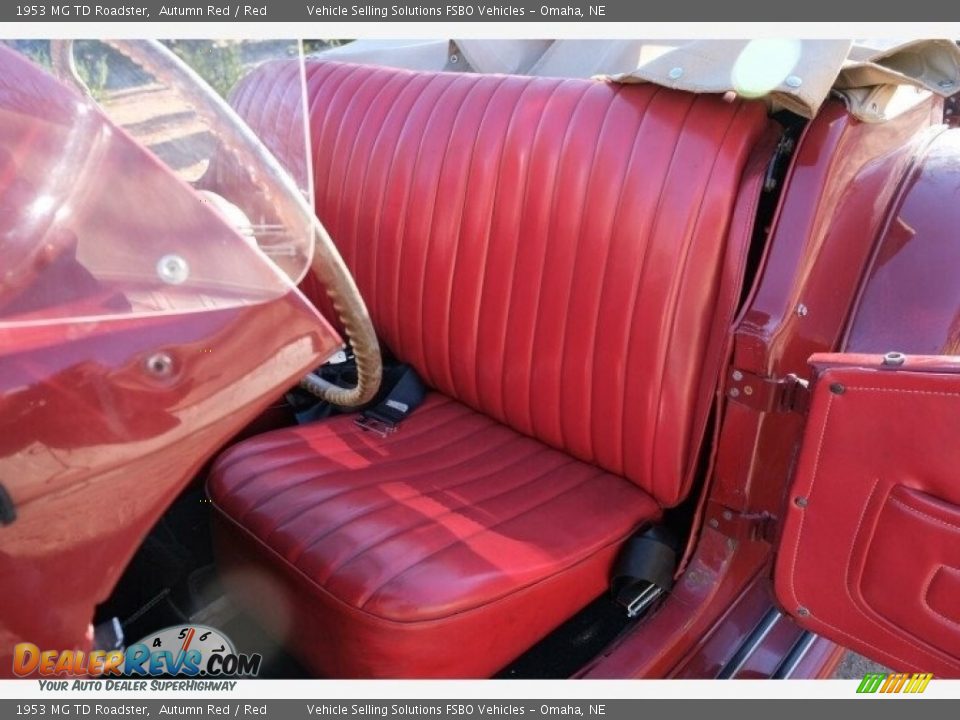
(796, 655)
(736, 663)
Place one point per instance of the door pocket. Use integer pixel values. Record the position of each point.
(915, 543)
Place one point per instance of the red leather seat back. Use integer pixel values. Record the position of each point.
(547, 251)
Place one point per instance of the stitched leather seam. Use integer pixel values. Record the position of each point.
(796, 552)
(589, 182)
(450, 126)
(912, 510)
(651, 232)
(628, 168)
(925, 597)
(354, 610)
(393, 501)
(478, 314)
(677, 282)
(372, 595)
(433, 520)
(399, 107)
(279, 439)
(260, 448)
(382, 466)
(431, 244)
(333, 94)
(904, 390)
(514, 277)
(813, 480)
(849, 581)
(378, 479)
(405, 215)
(556, 170)
(340, 212)
(306, 455)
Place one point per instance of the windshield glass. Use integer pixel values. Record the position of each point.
(129, 185)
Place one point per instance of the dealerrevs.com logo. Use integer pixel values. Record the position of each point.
(178, 651)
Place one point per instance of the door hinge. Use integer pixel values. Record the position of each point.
(766, 394)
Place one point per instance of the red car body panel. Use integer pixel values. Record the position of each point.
(869, 552)
(910, 301)
(96, 445)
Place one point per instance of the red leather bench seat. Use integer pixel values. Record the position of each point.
(548, 254)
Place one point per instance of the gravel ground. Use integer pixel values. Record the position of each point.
(854, 667)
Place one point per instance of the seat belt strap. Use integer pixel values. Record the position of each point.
(405, 396)
(643, 570)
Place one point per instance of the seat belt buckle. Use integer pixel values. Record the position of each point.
(636, 602)
(383, 428)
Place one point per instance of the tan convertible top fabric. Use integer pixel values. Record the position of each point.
(800, 74)
(874, 77)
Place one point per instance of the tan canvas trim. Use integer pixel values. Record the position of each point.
(867, 76)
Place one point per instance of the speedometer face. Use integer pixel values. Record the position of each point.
(182, 638)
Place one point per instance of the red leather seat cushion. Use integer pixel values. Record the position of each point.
(554, 255)
(546, 251)
(445, 549)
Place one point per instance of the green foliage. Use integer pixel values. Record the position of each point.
(315, 46)
(93, 60)
(37, 50)
(219, 62)
(100, 67)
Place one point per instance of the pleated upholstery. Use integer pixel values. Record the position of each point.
(392, 519)
(546, 251)
(548, 255)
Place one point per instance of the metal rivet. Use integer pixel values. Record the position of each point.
(894, 359)
(160, 364)
(802, 611)
(734, 392)
(676, 73)
(727, 515)
(714, 523)
(454, 59)
(802, 310)
(748, 390)
(793, 81)
(173, 269)
(837, 389)
(800, 501)
(737, 375)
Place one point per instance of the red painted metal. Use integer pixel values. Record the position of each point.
(844, 176)
(95, 444)
(910, 301)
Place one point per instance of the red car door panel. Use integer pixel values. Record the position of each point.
(870, 551)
